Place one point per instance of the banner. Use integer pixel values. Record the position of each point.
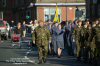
(56, 18)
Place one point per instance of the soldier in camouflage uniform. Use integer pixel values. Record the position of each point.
(96, 36)
(78, 34)
(92, 43)
(41, 38)
(86, 36)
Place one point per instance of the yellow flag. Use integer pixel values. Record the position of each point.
(56, 18)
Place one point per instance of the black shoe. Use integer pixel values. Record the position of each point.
(40, 62)
(59, 56)
(44, 61)
(78, 59)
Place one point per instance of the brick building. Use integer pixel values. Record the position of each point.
(67, 9)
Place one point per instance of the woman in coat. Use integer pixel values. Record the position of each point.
(60, 40)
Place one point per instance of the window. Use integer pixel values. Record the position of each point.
(99, 10)
(80, 1)
(1, 23)
(17, 3)
(4, 3)
(50, 14)
(80, 13)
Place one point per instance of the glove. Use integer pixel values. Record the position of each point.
(73, 40)
(33, 42)
(49, 41)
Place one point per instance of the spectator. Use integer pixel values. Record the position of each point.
(18, 29)
(24, 29)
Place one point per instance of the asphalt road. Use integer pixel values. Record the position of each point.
(11, 55)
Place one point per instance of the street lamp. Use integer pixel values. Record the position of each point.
(31, 5)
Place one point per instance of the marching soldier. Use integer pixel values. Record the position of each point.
(41, 39)
(92, 43)
(78, 34)
(96, 36)
(87, 35)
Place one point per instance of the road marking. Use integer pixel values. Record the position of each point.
(24, 60)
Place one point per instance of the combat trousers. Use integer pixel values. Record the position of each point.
(98, 52)
(79, 49)
(43, 52)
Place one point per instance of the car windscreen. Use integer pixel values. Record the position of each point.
(1, 23)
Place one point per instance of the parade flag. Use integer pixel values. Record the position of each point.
(56, 18)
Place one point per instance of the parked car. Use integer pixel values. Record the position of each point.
(4, 29)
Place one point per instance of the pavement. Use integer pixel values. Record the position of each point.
(12, 55)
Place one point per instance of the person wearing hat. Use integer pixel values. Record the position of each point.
(41, 39)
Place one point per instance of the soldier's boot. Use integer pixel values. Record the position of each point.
(85, 55)
(41, 61)
(44, 60)
(45, 55)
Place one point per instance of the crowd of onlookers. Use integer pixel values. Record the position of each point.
(23, 27)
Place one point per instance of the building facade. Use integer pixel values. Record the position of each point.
(68, 9)
(24, 11)
(19, 10)
(93, 9)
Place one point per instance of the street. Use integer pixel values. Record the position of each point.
(14, 56)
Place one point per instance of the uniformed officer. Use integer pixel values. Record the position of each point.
(41, 39)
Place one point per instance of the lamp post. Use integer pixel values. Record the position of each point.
(30, 5)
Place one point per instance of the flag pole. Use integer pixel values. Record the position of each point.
(56, 18)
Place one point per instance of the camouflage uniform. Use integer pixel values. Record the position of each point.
(96, 36)
(92, 44)
(78, 34)
(86, 49)
(41, 38)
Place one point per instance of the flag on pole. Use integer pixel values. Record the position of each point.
(56, 18)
